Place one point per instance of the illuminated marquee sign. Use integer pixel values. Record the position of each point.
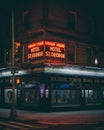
(35, 50)
(46, 48)
(54, 50)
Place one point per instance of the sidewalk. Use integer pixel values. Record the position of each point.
(71, 117)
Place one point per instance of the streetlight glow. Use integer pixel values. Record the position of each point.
(96, 61)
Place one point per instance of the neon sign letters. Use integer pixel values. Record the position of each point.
(48, 49)
(54, 50)
(35, 50)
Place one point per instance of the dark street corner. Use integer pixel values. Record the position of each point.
(51, 57)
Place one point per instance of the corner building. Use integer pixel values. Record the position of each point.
(63, 63)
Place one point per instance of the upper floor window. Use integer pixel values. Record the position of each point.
(71, 53)
(72, 20)
(89, 56)
(91, 26)
(26, 21)
(25, 53)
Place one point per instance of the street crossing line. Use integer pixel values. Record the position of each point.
(26, 125)
(20, 125)
(9, 125)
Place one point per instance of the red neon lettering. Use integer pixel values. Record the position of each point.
(48, 43)
(34, 44)
(35, 55)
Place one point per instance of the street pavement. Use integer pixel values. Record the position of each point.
(56, 118)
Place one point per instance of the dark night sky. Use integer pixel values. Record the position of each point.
(95, 6)
(5, 22)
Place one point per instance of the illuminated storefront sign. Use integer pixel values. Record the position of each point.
(47, 49)
(35, 50)
(54, 50)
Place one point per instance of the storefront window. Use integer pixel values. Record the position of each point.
(64, 94)
(30, 90)
(93, 96)
(61, 97)
(30, 96)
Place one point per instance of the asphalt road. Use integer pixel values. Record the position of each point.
(30, 125)
(72, 120)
